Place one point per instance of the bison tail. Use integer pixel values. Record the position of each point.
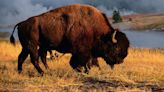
(12, 39)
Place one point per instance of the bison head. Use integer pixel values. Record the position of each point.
(115, 47)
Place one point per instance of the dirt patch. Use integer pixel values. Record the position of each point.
(90, 83)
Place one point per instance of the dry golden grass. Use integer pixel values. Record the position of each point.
(143, 70)
(8, 51)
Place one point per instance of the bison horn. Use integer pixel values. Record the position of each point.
(113, 37)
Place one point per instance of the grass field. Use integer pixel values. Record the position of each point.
(142, 71)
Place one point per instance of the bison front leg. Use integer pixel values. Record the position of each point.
(74, 62)
(86, 69)
(35, 57)
(78, 61)
(21, 58)
(93, 62)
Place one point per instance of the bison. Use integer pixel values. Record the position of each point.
(81, 30)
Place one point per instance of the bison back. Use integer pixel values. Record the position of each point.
(78, 23)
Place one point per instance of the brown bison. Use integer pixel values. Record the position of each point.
(81, 30)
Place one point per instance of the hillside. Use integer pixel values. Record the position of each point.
(142, 22)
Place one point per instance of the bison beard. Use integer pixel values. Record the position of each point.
(81, 30)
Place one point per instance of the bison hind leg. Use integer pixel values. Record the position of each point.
(21, 58)
(34, 60)
(43, 54)
(34, 55)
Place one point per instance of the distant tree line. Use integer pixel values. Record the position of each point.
(116, 16)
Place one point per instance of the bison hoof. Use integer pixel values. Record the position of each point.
(52, 58)
(86, 71)
(42, 73)
(112, 67)
(19, 71)
(78, 69)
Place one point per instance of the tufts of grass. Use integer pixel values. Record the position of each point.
(8, 51)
